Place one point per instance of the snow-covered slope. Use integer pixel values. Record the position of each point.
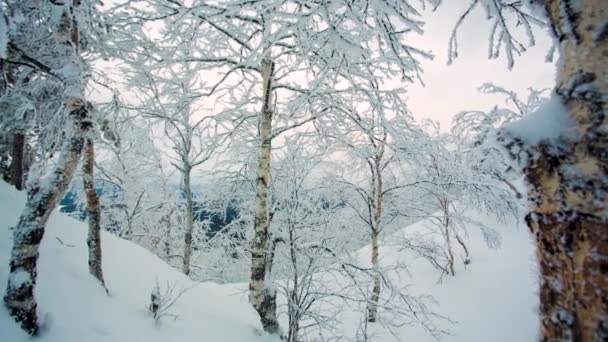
(77, 309)
(493, 299)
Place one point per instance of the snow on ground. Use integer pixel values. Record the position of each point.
(77, 309)
(492, 299)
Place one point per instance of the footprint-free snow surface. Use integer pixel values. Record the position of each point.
(492, 299)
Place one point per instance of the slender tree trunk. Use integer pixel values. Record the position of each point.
(450, 253)
(261, 296)
(41, 201)
(569, 183)
(467, 259)
(93, 212)
(17, 160)
(167, 243)
(372, 310)
(187, 189)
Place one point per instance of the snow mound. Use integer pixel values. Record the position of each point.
(548, 123)
(74, 307)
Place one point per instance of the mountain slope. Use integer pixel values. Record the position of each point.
(492, 299)
(75, 308)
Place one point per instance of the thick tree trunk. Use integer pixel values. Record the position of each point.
(261, 294)
(41, 201)
(17, 160)
(93, 212)
(568, 192)
(187, 189)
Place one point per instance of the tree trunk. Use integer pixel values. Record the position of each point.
(167, 243)
(93, 212)
(372, 310)
(450, 254)
(187, 189)
(448, 241)
(569, 185)
(41, 201)
(467, 259)
(17, 160)
(261, 294)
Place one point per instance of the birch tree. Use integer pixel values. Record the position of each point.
(455, 186)
(566, 169)
(367, 136)
(172, 102)
(567, 180)
(57, 54)
(293, 53)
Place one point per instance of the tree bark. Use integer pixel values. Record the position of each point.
(187, 189)
(42, 199)
(372, 309)
(261, 294)
(28, 233)
(569, 185)
(93, 213)
(17, 160)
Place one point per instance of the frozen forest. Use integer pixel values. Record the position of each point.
(304, 170)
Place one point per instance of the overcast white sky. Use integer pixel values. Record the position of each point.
(450, 89)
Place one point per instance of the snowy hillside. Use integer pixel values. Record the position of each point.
(77, 309)
(493, 299)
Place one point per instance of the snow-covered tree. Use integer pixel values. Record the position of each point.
(49, 38)
(455, 186)
(566, 168)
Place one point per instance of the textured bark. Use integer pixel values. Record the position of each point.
(17, 169)
(568, 192)
(261, 296)
(42, 199)
(187, 189)
(93, 213)
(28, 233)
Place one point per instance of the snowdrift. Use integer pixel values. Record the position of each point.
(75, 307)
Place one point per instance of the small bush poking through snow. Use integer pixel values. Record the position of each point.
(163, 299)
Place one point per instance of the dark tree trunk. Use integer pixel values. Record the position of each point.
(17, 160)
